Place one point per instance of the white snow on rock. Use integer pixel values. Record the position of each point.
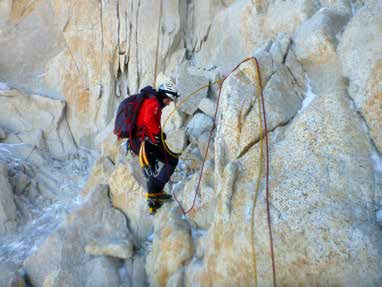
(4, 86)
(310, 96)
(377, 162)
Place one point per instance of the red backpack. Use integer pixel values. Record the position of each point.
(125, 122)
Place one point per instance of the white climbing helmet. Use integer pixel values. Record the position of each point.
(169, 89)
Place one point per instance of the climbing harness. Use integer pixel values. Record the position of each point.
(150, 169)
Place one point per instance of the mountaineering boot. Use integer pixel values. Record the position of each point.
(155, 196)
(156, 200)
(153, 206)
(159, 197)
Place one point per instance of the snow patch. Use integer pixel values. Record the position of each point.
(4, 86)
(310, 96)
(196, 233)
(377, 162)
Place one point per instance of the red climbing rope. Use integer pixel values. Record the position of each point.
(267, 160)
(267, 177)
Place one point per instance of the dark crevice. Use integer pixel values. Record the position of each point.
(287, 51)
(256, 141)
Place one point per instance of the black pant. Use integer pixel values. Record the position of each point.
(157, 152)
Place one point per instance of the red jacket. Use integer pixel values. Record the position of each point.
(148, 119)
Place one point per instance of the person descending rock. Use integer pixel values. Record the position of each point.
(145, 139)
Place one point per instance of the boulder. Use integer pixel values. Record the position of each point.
(22, 152)
(135, 270)
(8, 211)
(235, 32)
(230, 37)
(332, 192)
(315, 47)
(29, 40)
(172, 246)
(114, 248)
(203, 143)
(202, 215)
(62, 258)
(177, 140)
(360, 52)
(239, 111)
(189, 80)
(279, 48)
(172, 125)
(99, 174)
(9, 275)
(48, 129)
(172, 118)
(102, 271)
(208, 107)
(128, 195)
(199, 124)
(284, 16)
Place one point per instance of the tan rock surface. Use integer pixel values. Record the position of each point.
(39, 121)
(331, 193)
(360, 51)
(128, 195)
(169, 230)
(315, 47)
(62, 257)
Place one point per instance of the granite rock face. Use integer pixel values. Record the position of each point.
(62, 258)
(361, 57)
(38, 121)
(320, 72)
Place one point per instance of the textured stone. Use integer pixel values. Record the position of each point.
(136, 273)
(38, 120)
(203, 143)
(101, 271)
(199, 124)
(230, 36)
(177, 140)
(238, 30)
(172, 118)
(8, 211)
(62, 256)
(203, 212)
(315, 47)
(114, 248)
(360, 50)
(99, 174)
(128, 195)
(279, 48)
(16, 281)
(239, 109)
(29, 39)
(208, 107)
(169, 230)
(286, 16)
(332, 192)
(189, 80)
(9, 275)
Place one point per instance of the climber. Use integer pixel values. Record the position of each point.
(147, 143)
